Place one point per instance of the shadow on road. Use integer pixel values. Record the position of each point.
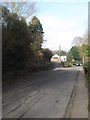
(56, 65)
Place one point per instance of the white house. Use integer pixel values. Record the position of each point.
(63, 58)
(55, 58)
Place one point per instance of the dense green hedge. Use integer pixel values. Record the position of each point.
(86, 68)
(22, 51)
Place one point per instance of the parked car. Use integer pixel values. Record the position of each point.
(77, 64)
(80, 64)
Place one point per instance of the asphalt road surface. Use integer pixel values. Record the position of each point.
(43, 95)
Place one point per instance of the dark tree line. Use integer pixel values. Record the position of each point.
(21, 43)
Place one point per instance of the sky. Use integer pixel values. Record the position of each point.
(62, 22)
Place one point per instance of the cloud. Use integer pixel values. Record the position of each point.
(59, 32)
(64, 1)
(54, 39)
(52, 22)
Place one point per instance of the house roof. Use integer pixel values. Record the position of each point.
(55, 56)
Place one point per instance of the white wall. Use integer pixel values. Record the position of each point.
(63, 58)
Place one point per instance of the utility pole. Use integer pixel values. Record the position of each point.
(59, 50)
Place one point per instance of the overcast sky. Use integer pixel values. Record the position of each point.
(62, 21)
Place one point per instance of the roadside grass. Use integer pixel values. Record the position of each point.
(68, 64)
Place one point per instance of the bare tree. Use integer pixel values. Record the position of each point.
(23, 9)
(77, 41)
(85, 39)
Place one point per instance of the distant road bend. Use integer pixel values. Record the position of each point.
(44, 95)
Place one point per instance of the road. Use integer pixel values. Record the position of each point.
(45, 94)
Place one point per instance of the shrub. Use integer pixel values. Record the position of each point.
(86, 66)
(68, 64)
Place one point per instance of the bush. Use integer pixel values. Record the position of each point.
(47, 54)
(68, 64)
(86, 66)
